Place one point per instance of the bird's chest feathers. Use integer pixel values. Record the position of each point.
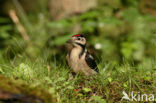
(76, 61)
(74, 55)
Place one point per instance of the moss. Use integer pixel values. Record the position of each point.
(22, 92)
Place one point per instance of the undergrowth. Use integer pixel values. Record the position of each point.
(105, 87)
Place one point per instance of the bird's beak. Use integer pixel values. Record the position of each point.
(69, 41)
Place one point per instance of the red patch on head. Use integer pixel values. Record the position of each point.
(77, 35)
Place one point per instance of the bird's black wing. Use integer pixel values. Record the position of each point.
(91, 62)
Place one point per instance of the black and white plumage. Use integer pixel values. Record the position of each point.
(91, 62)
(78, 58)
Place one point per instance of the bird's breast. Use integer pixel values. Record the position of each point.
(76, 63)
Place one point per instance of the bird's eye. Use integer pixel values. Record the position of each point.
(78, 38)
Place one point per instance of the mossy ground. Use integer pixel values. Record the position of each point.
(16, 91)
(107, 86)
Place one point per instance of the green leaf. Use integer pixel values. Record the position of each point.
(89, 15)
(109, 79)
(70, 87)
(59, 24)
(61, 39)
(147, 78)
(125, 84)
(86, 90)
(80, 94)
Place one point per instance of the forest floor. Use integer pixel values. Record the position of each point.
(109, 86)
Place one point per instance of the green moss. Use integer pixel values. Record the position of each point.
(23, 92)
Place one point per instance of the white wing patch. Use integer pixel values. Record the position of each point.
(91, 56)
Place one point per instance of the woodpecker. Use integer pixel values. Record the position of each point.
(78, 58)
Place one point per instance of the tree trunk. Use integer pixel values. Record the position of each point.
(65, 8)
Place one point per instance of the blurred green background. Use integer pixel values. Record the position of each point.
(116, 30)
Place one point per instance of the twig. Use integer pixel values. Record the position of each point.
(20, 27)
(20, 11)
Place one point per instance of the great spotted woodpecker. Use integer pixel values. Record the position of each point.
(78, 58)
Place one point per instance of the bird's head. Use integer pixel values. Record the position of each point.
(77, 40)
